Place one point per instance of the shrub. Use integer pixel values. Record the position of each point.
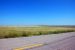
(24, 34)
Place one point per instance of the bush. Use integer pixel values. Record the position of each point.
(24, 34)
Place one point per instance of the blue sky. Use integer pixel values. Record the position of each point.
(37, 12)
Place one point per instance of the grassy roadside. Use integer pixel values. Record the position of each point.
(12, 32)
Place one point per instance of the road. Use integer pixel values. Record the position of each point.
(64, 41)
(65, 44)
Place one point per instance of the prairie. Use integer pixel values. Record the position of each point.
(12, 32)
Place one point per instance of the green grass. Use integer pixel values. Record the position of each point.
(12, 32)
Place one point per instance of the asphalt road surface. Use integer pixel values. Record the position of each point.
(64, 41)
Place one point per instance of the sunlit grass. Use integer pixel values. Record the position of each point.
(11, 32)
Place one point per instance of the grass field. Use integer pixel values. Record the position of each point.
(11, 32)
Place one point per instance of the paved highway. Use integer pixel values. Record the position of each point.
(65, 44)
(64, 41)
